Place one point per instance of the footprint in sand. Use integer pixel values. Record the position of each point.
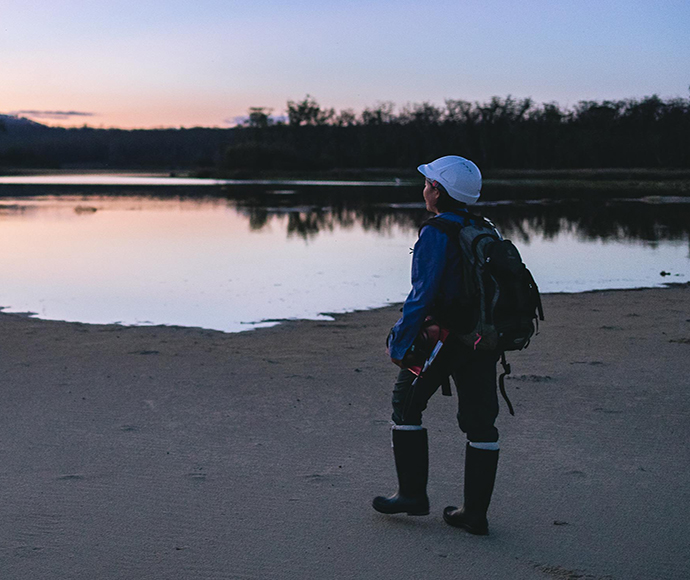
(70, 477)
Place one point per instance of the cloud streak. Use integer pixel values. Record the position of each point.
(56, 115)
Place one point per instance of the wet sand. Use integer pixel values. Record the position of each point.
(166, 453)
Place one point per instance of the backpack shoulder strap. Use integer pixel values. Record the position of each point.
(502, 384)
(448, 227)
(451, 227)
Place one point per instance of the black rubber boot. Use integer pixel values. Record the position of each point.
(411, 451)
(480, 475)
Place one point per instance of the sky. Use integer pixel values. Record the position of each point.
(173, 63)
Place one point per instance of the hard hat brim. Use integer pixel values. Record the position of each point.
(426, 171)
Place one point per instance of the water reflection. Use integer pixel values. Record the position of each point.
(312, 209)
(609, 220)
(649, 220)
(308, 222)
(244, 256)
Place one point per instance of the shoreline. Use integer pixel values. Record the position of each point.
(499, 184)
(253, 326)
(604, 173)
(164, 452)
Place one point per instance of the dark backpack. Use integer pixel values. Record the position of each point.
(500, 306)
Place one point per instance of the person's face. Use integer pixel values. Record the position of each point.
(431, 196)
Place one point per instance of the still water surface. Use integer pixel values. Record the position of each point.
(263, 254)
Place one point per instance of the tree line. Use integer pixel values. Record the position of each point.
(503, 133)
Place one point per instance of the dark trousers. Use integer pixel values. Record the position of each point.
(474, 375)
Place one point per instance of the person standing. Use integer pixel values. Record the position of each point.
(452, 183)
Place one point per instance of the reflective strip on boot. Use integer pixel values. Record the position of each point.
(396, 427)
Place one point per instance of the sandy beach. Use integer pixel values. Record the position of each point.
(175, 453)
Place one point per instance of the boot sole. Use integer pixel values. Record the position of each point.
(394, 512)
(405, 513)
(465, 526)
(391, 512)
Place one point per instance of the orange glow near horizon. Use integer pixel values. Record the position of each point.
(145, 117)
(175, 64)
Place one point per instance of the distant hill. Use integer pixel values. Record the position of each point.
(13, 123)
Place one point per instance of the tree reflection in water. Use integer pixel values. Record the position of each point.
(588, 214)
(647, 219)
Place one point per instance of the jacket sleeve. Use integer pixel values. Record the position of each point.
(428, 265)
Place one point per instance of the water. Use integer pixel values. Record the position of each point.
(251, 255)
(133, 180)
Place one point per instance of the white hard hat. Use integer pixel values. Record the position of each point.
(459, 177)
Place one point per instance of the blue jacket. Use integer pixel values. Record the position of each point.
(436, 281)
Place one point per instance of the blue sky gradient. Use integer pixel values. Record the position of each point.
(173, 63)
